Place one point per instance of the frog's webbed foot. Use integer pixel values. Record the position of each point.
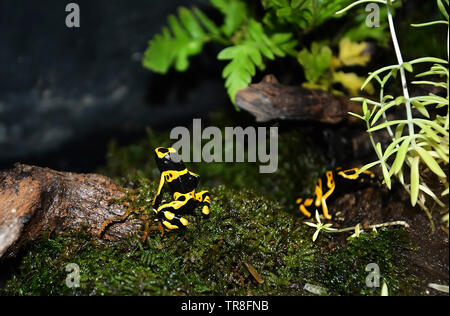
(205, 201)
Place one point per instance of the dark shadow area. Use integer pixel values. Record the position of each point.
(65, 92)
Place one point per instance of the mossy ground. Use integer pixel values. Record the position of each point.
(252, 227)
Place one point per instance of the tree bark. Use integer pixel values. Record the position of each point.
(34, 200)
(270, 100)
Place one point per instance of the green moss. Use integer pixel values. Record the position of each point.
(252, 224)
(210, 257)
(386, 249)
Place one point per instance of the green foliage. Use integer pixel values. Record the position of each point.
(315, 62)
(321, 67)
(184, 38)
(306, 14)
(235, 13)
(420, 143)
(250, 41)
(248, 55)
(367, 248)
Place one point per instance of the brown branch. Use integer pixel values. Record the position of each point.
(34, 200)
(270, 100)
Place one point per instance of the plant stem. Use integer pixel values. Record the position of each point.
(396, 223)
(402, 73)
(389, 129)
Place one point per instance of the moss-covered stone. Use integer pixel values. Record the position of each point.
(212, 257)
(252, 227)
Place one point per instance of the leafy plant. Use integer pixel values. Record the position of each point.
(235, 13)
(322, 68)
(249, 45)
(247, 55)
(315, 62)
(185, 37)
(420, 142)
(306, 14)
(250, 40)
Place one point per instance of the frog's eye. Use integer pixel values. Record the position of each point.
(161, 152)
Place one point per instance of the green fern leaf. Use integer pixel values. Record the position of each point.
(235, 13)
(304, 13)
(242, 67)
(184, 37)
(247, 56)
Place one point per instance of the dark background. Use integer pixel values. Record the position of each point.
(65, 92)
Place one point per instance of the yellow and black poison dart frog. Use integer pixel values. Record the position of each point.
(332, 184)
(183, 184)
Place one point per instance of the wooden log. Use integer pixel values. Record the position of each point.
(34, 200)
(270, 100)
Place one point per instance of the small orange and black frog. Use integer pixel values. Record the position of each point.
(334, 183)
(183, 184)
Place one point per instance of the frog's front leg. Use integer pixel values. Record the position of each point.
(166, 215)
(157, 198)
(204, 198)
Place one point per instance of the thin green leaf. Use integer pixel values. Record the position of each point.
(442, 9)
(428, 60)
(356, 115)
(415, 179)
(368, 166)
(391, 148)
(421, 108)
(400, 158)
(379, 71)
(408, 67)
(399, 130)
(381, 111)
(430, 162)
(384, 125)
(386, 176)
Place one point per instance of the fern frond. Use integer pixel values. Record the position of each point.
(249, 55)
(235, 13)
(184, 37)
(305, 13)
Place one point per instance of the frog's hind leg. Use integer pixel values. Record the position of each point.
(166, 215)
(204, 198)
